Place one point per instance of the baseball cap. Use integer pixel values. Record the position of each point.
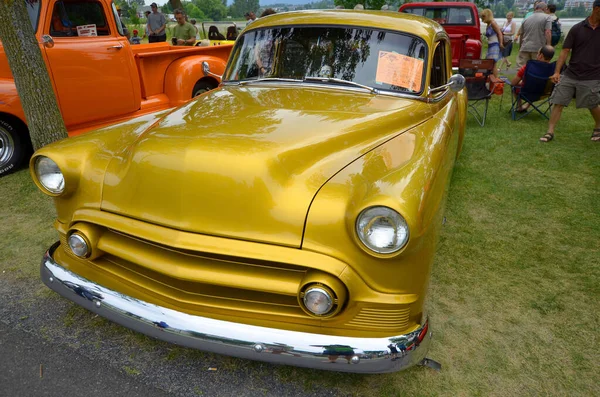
(118, 8)
(153, 5)
(135, 31)
(596, 3)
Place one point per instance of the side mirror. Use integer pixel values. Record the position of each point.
(457, 82)
(207, 72)
(47, 41)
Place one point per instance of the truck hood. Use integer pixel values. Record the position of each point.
(245, 162)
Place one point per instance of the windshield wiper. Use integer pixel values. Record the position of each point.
(242, 82)
(340, 81)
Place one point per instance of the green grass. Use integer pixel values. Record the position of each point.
(515, 288)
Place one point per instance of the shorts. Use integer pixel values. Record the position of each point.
(525, 56)
(586, 92)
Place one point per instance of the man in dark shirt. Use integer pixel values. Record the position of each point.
(582, 77)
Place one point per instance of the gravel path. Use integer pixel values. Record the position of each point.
(83, 354)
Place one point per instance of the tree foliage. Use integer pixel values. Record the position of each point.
(370, 4)
(240, 7)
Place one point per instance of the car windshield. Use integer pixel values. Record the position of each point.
(336, 55)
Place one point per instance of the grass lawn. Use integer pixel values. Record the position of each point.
(515, 290)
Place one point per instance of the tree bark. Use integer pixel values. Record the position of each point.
(175, 4)
(38, 100)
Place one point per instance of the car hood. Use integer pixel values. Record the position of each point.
(245, 161)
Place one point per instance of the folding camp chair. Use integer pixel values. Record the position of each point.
(535, 89)
(479, 89)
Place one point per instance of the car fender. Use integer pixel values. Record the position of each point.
(184, 73)
(461, 120)
(409, 174)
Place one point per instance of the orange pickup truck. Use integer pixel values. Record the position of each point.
(98, 77)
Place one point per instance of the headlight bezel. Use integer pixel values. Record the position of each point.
(40, 178)
(369, 214)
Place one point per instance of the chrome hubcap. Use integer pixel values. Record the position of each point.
(7, 146)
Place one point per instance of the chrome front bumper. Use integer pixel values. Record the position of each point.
(337, 353)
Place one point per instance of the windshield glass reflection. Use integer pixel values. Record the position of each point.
(375, 58)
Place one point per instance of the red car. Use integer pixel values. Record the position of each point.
(461, 22)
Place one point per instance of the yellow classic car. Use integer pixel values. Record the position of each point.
(289, 216)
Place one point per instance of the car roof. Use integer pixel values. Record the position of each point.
(402, 22)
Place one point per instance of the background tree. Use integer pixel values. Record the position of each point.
(240, 7)
(175, 4)
(368, 4)
(194, 12)
(44, 119)
(213, 9)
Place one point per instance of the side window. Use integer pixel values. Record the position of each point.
(118, 21)
(438, 66)
(33, 10)
(415, 11)
(460, 16)
(438, 14)
(78, 18)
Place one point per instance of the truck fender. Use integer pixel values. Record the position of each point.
(183, 74)
(10, 103)
(15, 145)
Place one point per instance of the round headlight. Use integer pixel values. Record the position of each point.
(49, 175)
(382, 229)
(78, 245)
(318, 300)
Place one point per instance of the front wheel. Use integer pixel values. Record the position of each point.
(201, 87)
(13, 148)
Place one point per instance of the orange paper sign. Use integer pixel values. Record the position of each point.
(399, 70)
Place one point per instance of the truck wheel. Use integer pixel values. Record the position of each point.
(12, 148)
(203, 86)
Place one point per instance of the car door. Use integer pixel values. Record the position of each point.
(444, 101)
(91, 63)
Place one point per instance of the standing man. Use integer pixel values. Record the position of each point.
(157, 23)
(184, 32)
(582, 77)
(534, 33)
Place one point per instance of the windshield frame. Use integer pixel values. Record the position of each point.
(378, 90)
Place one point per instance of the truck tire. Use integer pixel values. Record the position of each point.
(13, 148)
(203, 86)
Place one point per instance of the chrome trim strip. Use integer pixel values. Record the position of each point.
(366, 355)
(336, 87)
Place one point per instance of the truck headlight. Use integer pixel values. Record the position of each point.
(382, 230)
(49, 175)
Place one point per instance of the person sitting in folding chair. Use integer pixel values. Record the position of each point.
(544, 55)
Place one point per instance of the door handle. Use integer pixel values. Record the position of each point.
(115, 47)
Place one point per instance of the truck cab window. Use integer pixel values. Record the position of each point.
(78, 18)
(33, 10)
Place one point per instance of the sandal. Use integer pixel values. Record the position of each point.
(596, 135)
(548, 136)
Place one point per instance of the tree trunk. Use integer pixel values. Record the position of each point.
(176, 4)
(44, 119)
